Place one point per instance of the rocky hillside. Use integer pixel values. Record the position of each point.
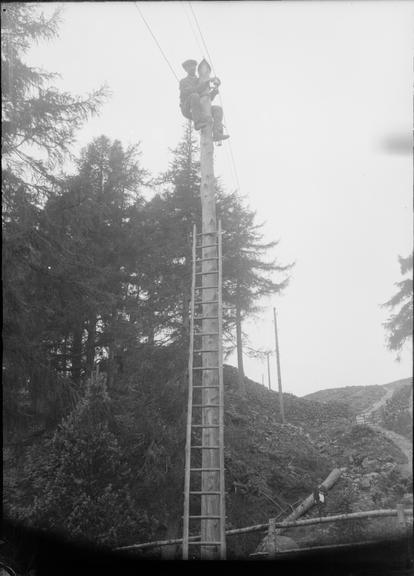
(397, 414)
(269, 467)
(375, 463)
(357, 398)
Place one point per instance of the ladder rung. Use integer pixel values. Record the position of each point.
(203, 492)
(206, 287)
(204, 273)
(205, 259)
(209, 386)
(206, 246)
(209, 233)
(206, 333)
(205, 469)
(203, 350)
(205, 425)
(207, 302)
(202, 543)
(208, 447)
(206, 368)
(203, 517)
(206, 406)
(205, 317)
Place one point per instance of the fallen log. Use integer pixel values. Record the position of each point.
(310, 501)
(307, 504)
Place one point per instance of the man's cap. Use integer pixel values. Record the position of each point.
(188, 63)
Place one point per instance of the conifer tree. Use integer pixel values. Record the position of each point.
(38, 126)
(247, 276)
(399, 325)
(83, 491)
(95, 221)
(38, 121)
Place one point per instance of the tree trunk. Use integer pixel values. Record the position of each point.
(77, 353)
(64, 366)
(239, 343)
(90, 345)
(186, 311)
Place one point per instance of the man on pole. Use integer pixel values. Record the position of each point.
(191, 88)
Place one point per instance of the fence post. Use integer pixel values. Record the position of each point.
(271, 538)
(401, 515)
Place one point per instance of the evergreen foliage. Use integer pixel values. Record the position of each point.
(38, 126)
(95, 273)
(399, 325)
(83, 488)
(38, 121)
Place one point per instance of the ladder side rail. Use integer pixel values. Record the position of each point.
(187, 477)
(221, 397)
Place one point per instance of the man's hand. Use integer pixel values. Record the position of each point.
(213, 93)
(203, 86)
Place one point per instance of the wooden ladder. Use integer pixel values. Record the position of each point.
(204, 493)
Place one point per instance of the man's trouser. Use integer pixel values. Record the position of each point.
(193, 110)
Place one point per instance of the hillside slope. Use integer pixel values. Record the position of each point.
(376, 461)
(358, 398)
(269, 467)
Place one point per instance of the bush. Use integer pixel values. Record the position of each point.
(83, 488)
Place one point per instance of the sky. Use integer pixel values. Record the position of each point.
(317, 98)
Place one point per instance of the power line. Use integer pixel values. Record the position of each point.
(202, 37)
(230, 151)
(156, 41)
(200, 47)
(234, 166)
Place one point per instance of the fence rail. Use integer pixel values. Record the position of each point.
(398, 513)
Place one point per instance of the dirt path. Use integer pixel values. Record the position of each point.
(381, 402)
(403, 444)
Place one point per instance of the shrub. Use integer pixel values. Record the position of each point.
(83, 488)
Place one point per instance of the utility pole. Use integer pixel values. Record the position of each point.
(210, 504)
(279, 376)
(268, 369)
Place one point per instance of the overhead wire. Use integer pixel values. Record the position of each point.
(200, 47)
(230, 150)
(156, 41)
(202, 37)
(204, 44)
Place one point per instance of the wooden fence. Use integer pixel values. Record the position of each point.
(401, 513)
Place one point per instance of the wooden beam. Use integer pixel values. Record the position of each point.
(279, 374)
(210, 481)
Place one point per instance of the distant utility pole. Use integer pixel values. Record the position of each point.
(279, 376)
(268, 368)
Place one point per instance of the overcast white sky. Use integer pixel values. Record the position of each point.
(312, 93)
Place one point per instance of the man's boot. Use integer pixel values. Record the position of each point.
(218, 130)
(219, 136)
(217, 114)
